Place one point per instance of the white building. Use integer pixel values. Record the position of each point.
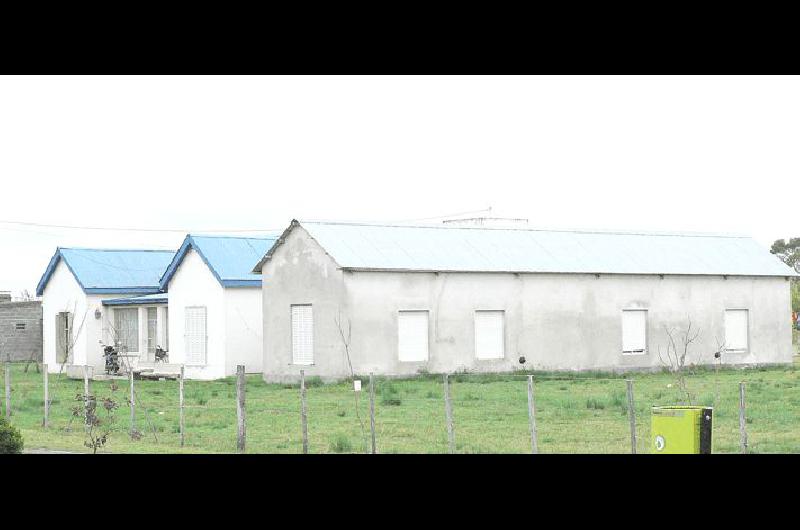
(88, 299)
(214, 302)
(445, 299)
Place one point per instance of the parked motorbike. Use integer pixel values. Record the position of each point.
(112, 360)
(162, 355)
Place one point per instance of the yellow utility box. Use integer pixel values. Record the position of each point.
(681, 430)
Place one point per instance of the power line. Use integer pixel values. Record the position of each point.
(211, 231)
(130, 229)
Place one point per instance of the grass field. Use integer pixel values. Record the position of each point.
(576, 413)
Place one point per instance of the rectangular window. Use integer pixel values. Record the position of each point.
(634, 331)
(412, 336)
(20, 326)
(736, 336)
(126, 324)
(195, 335)
(302, 334)
(152, 329)
(489, 334)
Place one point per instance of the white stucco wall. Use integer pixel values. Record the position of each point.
(556, 321)
(193, 284)
(243, 335)
(63, 293)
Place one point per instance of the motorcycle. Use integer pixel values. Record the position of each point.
(162, 355)
(112, 360)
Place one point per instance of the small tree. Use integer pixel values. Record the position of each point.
(99, 428)
(676, 356)
(10, 438)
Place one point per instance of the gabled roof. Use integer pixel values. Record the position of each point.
(230, 259)
(471, 249)
(110, 271)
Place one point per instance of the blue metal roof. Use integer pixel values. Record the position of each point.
(229, 258)
(470, 249)
(148, 299)
(110, 271)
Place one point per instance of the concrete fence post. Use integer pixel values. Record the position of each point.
(303, 413)
(448, 413)
(240, 408)
(742, 419)
(631, 415)
(532, 417)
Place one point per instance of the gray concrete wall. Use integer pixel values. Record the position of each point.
(21, 344)
(556, 321)
(302, 273)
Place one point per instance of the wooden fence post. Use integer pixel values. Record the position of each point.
(86, 394)
(46, 422)
(133, 402)
(532, 417)
(180, 398)
(8, 390)
(372, 411)
(631, 415)
(742, 419)
(448, 413)
(240, 410)
(303, 416)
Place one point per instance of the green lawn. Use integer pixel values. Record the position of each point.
(575, 413)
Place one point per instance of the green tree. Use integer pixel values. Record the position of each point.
(789, 252)
(10, 438)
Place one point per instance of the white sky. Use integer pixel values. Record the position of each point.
(708, 154)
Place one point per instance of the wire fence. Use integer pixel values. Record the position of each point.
(488, 413)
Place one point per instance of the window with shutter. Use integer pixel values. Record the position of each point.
(195, 335)
(489, 334)
(412, 336)
(63, 336)
(736, 335)
(302, 334)
(634, 331)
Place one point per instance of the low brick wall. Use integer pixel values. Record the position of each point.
(21, 331)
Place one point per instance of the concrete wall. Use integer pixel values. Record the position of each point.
(556, 321)
(21, 344)
(194, 285)
(302, 273)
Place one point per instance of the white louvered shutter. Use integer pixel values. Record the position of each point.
(412, 335)
(634, 331)
(195, 335)
(489, 334)
(736, 330)
(302, 334)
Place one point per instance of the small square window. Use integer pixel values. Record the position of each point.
(20, 326)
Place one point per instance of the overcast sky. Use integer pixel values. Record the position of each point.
(708, 154)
